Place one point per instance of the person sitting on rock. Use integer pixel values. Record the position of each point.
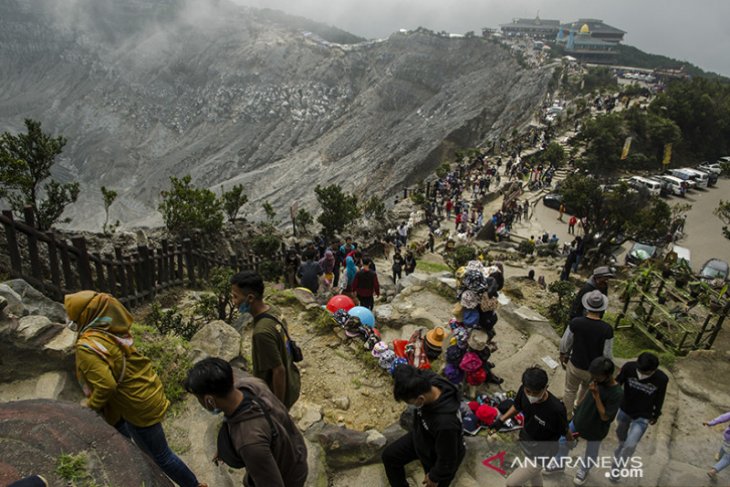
(410, 263)
(257, 433)
(119, 382)
(437, 438)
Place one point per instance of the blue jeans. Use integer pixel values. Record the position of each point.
(724, 458)
(629, 432)
(591, 454)
(152, 441)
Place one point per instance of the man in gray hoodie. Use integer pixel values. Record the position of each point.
(257, 432)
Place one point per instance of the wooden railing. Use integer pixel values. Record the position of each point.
(57, 267)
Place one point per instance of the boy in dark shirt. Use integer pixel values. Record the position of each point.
(545, 423)
(644, 390)
(437, 438)
(366, 285)
(593, 418)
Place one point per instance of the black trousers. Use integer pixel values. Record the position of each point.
(367, 301)
(399, 454)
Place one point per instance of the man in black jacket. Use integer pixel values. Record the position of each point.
(599, 280)
(437, 437)
(644, 389)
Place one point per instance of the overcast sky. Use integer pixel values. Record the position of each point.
(696, 31)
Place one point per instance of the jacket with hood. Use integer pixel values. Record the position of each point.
(118, 381)
(438, 434)
(272, 460)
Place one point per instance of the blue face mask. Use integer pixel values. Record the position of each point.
(244, 308)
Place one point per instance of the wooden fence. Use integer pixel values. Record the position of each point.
(57, 267)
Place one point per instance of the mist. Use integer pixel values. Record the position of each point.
(691, 31)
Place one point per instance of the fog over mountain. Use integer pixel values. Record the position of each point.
(229, 94)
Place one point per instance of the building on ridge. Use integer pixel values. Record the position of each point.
(536, 28)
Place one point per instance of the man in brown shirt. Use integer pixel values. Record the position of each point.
(258, 432)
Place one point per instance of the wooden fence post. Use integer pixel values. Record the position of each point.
(111, 275)
(53, 262)
(119, 263)
(35, 261)
(189, 261)
(101, 284)
(83, 264)
(180, 277)
(13, 249)
(69, 278)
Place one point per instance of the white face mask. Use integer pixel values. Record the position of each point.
(534, 399)
(643, 376)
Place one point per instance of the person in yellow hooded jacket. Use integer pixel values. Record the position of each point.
(119, 382)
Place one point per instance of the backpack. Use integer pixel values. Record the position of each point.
(294, 350)
(226, 450)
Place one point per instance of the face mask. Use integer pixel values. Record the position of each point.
(533, 399)
(643, 376)
(419, 406)
(244, 308)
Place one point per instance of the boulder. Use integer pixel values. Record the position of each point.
(370, 475)
(35, 303)
(415, 279)
(346, 448)
(342, 403)
(13, 301)
(216, 339)
(67, 428)
(317, 476)
(31, 326)
(306, 414)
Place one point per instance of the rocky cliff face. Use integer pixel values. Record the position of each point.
(144, 90)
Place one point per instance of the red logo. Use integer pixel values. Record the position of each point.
(500, 457)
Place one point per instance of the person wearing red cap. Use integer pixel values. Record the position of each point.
(545, 422)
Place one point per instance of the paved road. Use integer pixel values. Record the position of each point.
(703, 229)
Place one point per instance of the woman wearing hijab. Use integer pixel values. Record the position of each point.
(327, 263)
(350, 272)
(119, 382)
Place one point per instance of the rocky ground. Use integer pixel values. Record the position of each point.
(346, 409)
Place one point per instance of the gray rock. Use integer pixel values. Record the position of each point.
(346, 448)
(35, 303)
(306, 414)
(342, 403)
(369, 475)
(216, 339)
(375, 439)
(14, 303)
(62, 344)
(30, 327)
(529, 314)
(317, 464)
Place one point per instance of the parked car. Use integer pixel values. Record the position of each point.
(683, 254)
(715, 270)
(684, 176)
(676, 186)
(711, 176)
(664, 186)
(553, 200)
(703, 181)
(653, 187)
(639, 253)
(711, 166)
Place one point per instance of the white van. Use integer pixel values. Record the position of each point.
(684, 176)
(703, 180)
(654, 187)
(683, 253)
(676, 186)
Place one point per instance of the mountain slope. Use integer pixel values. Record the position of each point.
(144, 90)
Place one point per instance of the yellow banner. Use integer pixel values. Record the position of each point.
(667, 154)
(627, 147)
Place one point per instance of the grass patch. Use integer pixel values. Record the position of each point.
(73, 469)
(170, 357)
(432, 267)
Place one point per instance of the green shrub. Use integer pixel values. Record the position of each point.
(559, 312)
(171, 321)
(462, 255)
(526, 247)
(169, 355)
(186, 209)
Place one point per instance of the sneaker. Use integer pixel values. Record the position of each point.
(553, 469)
(613, 476)
(581, 476)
